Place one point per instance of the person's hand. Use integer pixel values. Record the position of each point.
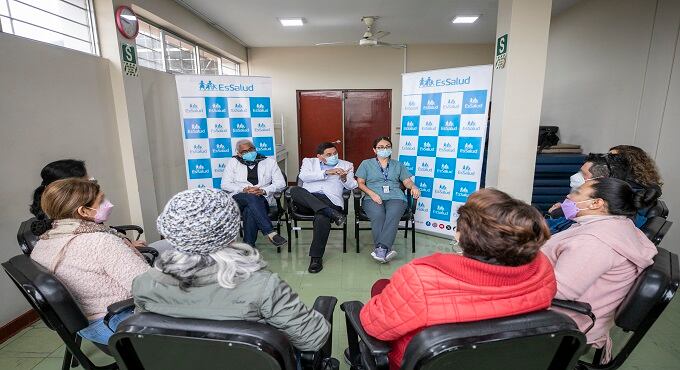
(248, 189)
(415, 192)
(343, 177)
(334, 171)
(135, 243)
(554, 207)
(258, 191)
(376, 198)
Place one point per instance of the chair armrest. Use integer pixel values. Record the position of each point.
(149, 253)
(125, 228)
(376, 346)
(579, 307)
(118, 307)
(286, 194)
(346, 194)
(357, 193)
(325, 305)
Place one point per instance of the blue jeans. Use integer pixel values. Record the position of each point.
(385, 219)
(255, 214)
(98, 332)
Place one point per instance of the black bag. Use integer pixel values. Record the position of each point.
(547, 137)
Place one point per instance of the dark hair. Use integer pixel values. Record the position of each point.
(323, 146)
(642, 167)
(620, 197)
(608, 165)
(54, 171)
(492, 224)
(381, 138)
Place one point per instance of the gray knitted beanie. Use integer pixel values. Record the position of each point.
(200, 221)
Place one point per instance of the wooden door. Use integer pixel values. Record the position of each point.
(368, 115)
(319, 120)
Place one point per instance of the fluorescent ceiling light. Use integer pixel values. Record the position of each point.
(291, 22)
(465, 19)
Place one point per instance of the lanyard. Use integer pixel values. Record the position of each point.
(385, 171)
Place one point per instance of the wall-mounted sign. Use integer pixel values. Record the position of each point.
(501, 51)
(129, 53)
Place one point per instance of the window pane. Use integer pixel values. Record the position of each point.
(58, 22)
(180, 55)
(229, 67)
(57, 7)
(149, 48)
(40, 34)
(209, 62)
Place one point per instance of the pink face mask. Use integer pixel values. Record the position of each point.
(570, 208)
(103, 212)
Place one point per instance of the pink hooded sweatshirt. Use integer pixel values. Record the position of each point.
(597, 261)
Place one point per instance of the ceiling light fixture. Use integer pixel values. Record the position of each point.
(465, 19)
(292, 22)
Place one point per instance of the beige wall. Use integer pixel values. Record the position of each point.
(612, 78)
(56, 103)
(348, 67)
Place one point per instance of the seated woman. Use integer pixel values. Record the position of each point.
(92, 260)
(208, 275)
(598, 259)
(380, 178)
(500, 273)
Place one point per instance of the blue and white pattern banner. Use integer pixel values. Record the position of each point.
(443, 128)
(217, 112)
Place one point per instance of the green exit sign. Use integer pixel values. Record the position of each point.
(502, 45)
(129, 53)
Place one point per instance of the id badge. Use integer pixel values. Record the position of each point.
(386, 189)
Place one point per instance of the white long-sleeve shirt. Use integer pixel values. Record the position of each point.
(315, 180)
(270, 178)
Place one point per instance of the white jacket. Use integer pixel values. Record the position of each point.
(270, 178)
(315, 180)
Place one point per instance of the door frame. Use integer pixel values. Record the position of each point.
(343, 91)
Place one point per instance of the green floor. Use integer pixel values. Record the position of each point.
(348, 277)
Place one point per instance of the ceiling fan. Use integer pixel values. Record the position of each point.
(370, 38)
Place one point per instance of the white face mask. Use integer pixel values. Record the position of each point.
(576, 180)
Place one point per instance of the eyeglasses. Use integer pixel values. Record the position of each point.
(384, 147)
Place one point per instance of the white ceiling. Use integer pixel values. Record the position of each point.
(255, 22)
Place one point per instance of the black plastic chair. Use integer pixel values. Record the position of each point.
(656, 228)
(659, 209)
(539, 340)
(408, 218)
(56, 307)
(27, 238)
(645, 302)
(151, 341)
(295, 215)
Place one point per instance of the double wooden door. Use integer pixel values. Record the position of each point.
(351, 119)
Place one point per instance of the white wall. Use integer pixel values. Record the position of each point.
(345, 67)
(56, 103)
(612, 78)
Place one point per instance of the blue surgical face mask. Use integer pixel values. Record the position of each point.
(250, 156)
(332, 160)
(384, 153)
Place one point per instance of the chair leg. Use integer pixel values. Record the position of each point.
(79, 341)
(296, 231)
(66, 364)
(344, 238)
(356, 234)
(288, 232)
(413, 236)
(406, 230)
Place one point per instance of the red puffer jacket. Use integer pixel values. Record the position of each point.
(448, 288)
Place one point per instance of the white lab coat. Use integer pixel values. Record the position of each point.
(315, 180)
(270, 178)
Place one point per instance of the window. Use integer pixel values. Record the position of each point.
(162, 50)
(150, 47)
(209, 63)
(180, 55)
(67, 23)
(229, 67)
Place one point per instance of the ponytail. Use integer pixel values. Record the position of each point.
(646, 197)
(621, 199)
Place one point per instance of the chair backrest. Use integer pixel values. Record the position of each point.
(656, 228)
(538, 340)
(150, 341)
(659, 209)
(48, 296)
(26, 237)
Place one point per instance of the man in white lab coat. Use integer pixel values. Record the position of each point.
(252, 179)
(324, 178)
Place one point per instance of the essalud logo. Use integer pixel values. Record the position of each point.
(199, 169)
(260, 108)
(410, 124)
(472, 126)
(408, 145)
(442, 186)
(210, 86)
(193, 108)
(441, 208)
(466, 171)
(473, 103)
(263, 145)
(428, 123)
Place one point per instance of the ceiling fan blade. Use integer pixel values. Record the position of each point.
(380, 34)
(330, 43)
(396, 46)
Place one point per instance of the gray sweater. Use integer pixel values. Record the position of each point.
(263, 298)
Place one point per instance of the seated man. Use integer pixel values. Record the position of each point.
(324, 179)
(596, 166)
(252, 179)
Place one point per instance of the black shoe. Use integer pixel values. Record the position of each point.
(278, 240)
(338, 217)
(315, 265)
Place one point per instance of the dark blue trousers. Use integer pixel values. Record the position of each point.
(255, 215)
